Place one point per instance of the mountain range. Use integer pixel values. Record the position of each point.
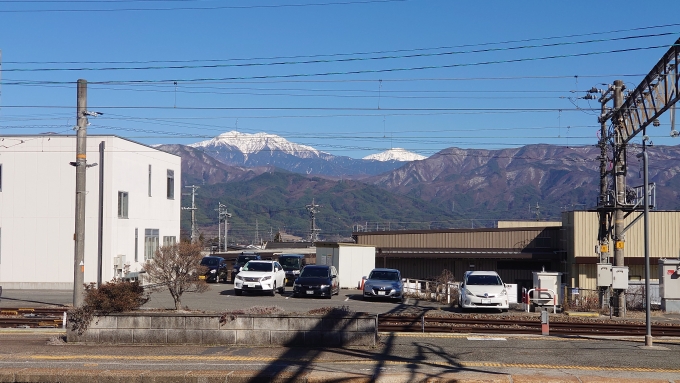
(452, 188)
(263, 149)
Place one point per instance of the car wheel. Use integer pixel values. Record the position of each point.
(295, 295)
(238, 292)
(273, 293)
(282, 289)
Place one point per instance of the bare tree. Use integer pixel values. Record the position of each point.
(177, 267)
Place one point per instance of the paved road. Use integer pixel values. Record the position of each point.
(41, 356)
(221, 297)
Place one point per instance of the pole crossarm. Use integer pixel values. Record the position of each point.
(655, 94)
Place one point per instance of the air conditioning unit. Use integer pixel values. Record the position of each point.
(118, 262)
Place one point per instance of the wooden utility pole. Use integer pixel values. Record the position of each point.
(81, 167)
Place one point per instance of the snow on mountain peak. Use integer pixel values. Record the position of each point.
(252, 143)
(396, 154)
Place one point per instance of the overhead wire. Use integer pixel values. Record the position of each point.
(327, 61)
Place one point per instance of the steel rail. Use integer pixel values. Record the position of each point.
(467, 325)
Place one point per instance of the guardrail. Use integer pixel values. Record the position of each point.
(431, 289)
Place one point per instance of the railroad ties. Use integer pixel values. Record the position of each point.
(37, 317)
(395, 323)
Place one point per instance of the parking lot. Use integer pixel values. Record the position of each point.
(221, 297)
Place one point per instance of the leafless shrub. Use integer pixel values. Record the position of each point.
(177, 267)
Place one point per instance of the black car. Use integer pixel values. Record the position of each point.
(242, 260)
(317, 281)
(217, 269)
(292, 265)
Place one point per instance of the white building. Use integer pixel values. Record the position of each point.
(139, 201)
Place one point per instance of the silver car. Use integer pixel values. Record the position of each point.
(384, 283)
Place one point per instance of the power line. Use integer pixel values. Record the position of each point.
(343, 54)
(326, 61)
(388, 70)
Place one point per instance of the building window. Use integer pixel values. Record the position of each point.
(149, 180)
(136, 244)
(169, 240)
(150, 243)
(171, 184)
(122, 204)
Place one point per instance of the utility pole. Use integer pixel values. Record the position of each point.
(620, 170)
(223, 216)
(604, 204)
(194, 236)
(81, 166)
(313, 230)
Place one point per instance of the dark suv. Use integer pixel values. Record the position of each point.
(241, 261)
(292, 265)
(217, 269)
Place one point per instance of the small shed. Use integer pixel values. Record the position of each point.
(351, 260)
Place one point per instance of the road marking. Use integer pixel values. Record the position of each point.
(346, 299)
(233, 358)
(483, 338)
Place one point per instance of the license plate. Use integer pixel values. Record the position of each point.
(486, 301)
(310, 291)
(381, 293)
(251, 285)
(201, 277)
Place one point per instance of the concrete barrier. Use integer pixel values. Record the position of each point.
(245, 329)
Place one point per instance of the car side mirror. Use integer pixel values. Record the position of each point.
(240, 268)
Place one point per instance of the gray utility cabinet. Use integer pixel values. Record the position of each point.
(669, 284)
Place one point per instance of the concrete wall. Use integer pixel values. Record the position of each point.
(252, 330)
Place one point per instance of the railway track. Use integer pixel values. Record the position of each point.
(391, 323)
(36, 317)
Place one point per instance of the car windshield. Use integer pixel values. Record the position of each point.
(309, 272)
(384, 276)
(292, 262)
(486, 280)
(257, 266)
(210, 262)
(242, 259)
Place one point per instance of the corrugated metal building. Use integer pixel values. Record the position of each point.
(580, 244)
(513, 252)
(517, 248)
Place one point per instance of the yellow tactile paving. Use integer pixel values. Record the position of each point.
(232, 358)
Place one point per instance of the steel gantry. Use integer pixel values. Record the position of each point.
(657, 93)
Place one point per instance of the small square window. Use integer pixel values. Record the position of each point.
(122, 204)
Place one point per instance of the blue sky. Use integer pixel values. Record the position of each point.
(349, 77)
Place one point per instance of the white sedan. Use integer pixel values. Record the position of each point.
(261, 276)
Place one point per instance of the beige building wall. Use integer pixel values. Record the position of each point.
(580, 237)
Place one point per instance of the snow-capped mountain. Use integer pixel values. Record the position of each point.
(249, 144)
(264, 149)
(396, 154)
